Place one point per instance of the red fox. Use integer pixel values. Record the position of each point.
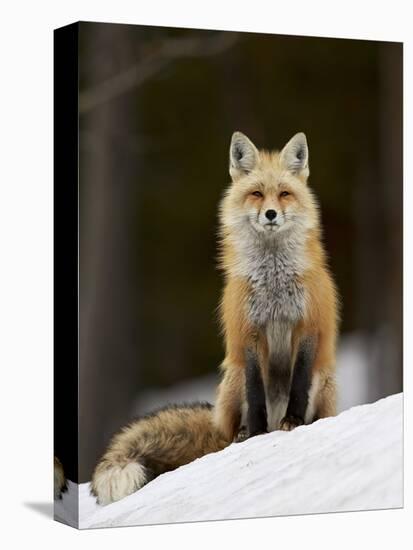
(279, 318)
(279, 306)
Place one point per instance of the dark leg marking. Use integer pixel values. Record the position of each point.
(300, 386)
(257, 410)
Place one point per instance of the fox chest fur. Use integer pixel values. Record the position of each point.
(277, 295)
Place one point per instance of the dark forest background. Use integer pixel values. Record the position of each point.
(157, 107)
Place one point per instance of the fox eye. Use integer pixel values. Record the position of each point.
(285, 194)
(257, 193)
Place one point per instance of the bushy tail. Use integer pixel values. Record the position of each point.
(113, 481)
(60, 484)
(157, 443)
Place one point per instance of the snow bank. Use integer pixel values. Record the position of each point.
(350, 462)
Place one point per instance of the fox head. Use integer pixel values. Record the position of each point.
(269, 195)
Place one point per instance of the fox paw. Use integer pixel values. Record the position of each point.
(242, 435)
(288, 423)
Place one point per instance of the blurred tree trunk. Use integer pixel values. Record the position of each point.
(108, 334)
(390, 375)
(378, 211)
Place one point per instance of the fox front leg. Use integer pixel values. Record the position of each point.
(300, 386)
(257, 410)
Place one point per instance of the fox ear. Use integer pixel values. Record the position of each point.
(294, 156)
(243, 155)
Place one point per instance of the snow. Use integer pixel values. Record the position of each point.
(354, 367)
(351, 462)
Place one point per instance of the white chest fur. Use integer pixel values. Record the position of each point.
(273, 270)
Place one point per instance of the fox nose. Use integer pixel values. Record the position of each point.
(271, 215)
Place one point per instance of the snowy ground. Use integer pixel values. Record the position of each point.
(350, 462)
